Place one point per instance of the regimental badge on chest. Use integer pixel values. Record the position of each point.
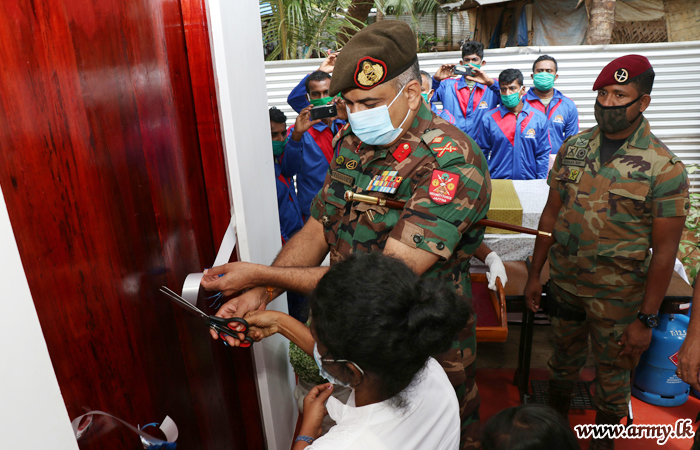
(388, 182)
(575, 156)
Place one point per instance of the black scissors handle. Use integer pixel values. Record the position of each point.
(227, 327)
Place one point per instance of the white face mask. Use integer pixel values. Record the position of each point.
(374, 127)
(324, 373)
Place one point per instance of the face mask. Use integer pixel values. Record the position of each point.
(319, 101)
(425, 97)
(544, 81)
(324, 373)
(612, 119)
(278, 147)
(512, 100)
(374, 127)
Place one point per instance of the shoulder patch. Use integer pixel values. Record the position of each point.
(446, 150)
(430, 135)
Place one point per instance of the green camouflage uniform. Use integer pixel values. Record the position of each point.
(431, 144)
(599, 261)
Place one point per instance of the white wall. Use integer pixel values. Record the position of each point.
(236, 40)
(32, 412)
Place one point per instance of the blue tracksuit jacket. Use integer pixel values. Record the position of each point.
(468, 106)
(316, 149)
(286, 166)
(562, 116)
(516, 148)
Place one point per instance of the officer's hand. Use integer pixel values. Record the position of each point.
(635, 339)
(533, 293)
(480, 76)
(445, 71)
(328, 64)
(238, 307)
(303, 123)
(236, 277)
(689, 361)
(340, 106)
(496, 270)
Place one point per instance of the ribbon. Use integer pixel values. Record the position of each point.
(168, 428)
(190, 289)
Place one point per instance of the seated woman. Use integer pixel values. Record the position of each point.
(374, 326)
(528, 427)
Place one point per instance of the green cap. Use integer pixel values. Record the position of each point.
(375, 55)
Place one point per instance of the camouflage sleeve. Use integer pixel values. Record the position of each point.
(669, 195)
(551, 179)
(318, 204)
(430, 225)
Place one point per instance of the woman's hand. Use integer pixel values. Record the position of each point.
(263, 323)
(315, 410)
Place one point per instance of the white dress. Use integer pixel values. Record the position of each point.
(429, 421)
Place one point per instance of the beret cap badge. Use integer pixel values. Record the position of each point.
(621, 75)
(369, 72)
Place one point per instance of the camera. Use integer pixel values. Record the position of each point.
(323, 112)
(462, 70)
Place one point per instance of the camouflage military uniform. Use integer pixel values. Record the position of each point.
(599, 261)
(431, 147)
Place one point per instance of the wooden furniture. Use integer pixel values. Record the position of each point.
(490, 308)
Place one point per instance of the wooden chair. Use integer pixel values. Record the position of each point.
(490, 308)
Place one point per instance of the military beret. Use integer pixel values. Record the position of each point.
(375, 55)
(622, 70)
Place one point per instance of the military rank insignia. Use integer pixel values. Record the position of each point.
(443, 186)
(369, 72)
(388, 182)
(402, 151)
(580, 142)
(575, 156)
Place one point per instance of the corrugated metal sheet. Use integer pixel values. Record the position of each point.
(674, 112)
(426, 24)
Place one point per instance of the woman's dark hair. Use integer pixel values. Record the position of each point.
(528, 427)
(374, 310)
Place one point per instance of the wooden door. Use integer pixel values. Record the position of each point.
(113, 174)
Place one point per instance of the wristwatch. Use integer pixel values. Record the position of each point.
(649, 320)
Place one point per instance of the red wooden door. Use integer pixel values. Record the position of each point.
(113, 175)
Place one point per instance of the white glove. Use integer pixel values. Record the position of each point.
(496, 270)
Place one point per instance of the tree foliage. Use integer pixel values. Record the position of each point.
(302, 28)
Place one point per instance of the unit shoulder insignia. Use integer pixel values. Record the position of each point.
(443, 186)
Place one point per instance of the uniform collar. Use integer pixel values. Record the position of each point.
(421, 122)
(641, 138)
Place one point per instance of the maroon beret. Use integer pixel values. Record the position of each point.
(375, 55)
(622, 70)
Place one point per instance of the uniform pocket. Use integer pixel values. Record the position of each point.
(377, 218)
(626, 201)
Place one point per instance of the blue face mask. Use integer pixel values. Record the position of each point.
(374, 127)
(324, 373)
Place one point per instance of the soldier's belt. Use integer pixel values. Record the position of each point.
(350, 196)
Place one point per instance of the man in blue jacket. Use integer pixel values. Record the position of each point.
(561, 112)
(314, 138)
(466, 98)
(427, 91)
(514, 136)
(287, 162)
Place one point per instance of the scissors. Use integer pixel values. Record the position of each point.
(223, 327)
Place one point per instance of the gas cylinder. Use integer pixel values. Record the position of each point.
(655, 379)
